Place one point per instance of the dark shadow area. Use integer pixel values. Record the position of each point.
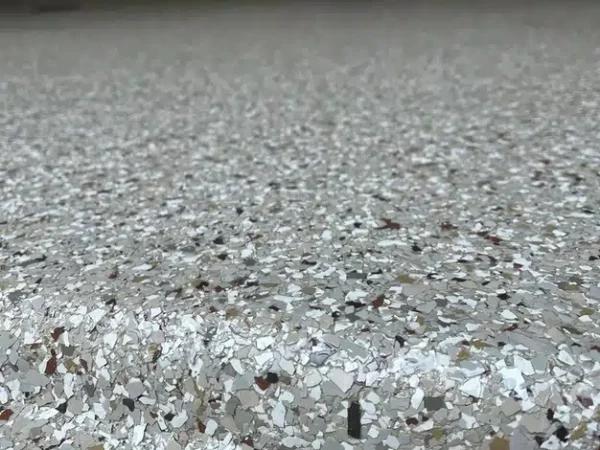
(43, 7)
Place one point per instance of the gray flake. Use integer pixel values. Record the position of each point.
(510, 407)
(331, 444)
(330, 389)
(173, 445)
(399, 403)
(135, 388)
(434, 403)
(354, 350)
(231, 405)
(522, 440)
(37, 379)
(229, 424)
(594, 292)
(75, 406)
(539, 363)
(556, 335)
(427, 307)
(243, 382)
(532, 343)
(332, 340)
(534, 422)
(244, 419)
(247, 398)
(126, 181)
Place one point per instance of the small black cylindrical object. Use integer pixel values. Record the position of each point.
(354, 420)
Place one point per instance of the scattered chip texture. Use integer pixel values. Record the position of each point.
(301, 228)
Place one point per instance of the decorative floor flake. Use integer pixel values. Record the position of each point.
(235, 242)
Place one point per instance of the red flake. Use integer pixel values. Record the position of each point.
(365, 330)
(389, 224)
(465, 342)
(218, 289)
(112, 275)
(517, 266)
(212, 309)
(262, 383)
(201, 427)
(493, 239)
(57, 332)
(248, 441)
(412, 421)
(378, 302)
(51, 366)
(595, 347)
(587, 402)
(447, 226)
(5, 415)
(513, 327)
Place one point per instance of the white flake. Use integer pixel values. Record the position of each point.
(142, 268)
(69, 384)
(508, 315)
(466, 421)
(368, 409)
(211, 427)
(96, 315)
(264, 358)
(373, 433)
(373, 397)
(110, 339)
(278, 415)
(313, 378)
(566, 358)
(551, 443)
(138, 434)
(353, 296)
(99, 359)
(341, 379)
(524, 365)
(390, 243)
(248, 251)
(286, 396)
(294, 441)
(76, 320)
(237, 366)
(425, 426)
(287, 366)
(392, 442)
(473, 387)
(315, 393)
(265, 342)
(512, 377)
(47, 413)
(180, 419)
(417, 398)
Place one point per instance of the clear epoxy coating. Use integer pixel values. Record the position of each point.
(221, 228)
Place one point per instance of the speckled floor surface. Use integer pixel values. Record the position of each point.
(300, 229)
